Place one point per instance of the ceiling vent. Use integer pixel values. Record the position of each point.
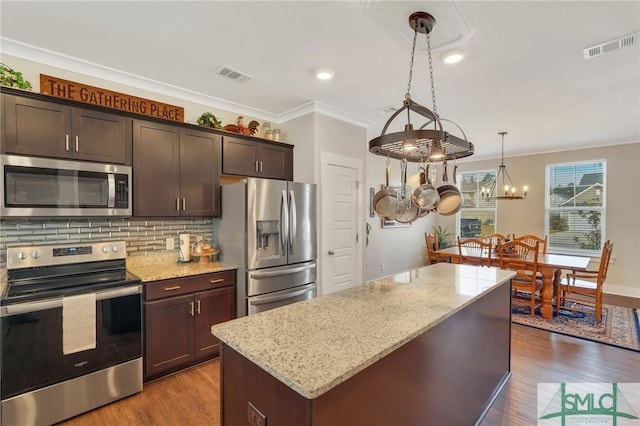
(619, 43)
(234, 75)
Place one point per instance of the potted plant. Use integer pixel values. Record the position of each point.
(207, 119)
(443, 236)
(10, 77)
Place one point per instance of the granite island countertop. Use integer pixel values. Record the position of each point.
(315, 345)
(165, 266)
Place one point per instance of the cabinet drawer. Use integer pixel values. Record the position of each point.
(177, 286)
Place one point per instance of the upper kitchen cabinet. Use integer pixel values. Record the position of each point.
(257, 159)
(49, 129)
(175, 171)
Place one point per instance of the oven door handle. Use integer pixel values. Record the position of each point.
(27, 307)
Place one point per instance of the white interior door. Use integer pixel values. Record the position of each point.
(341, 255)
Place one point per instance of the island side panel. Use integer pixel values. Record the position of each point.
(243, 382)
(446, 376)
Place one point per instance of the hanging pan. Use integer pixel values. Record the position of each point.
(406, 212)
(450, 197)
(385, 202)
(426, 195)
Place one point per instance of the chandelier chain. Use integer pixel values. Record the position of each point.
(433, 86)
(413, 52)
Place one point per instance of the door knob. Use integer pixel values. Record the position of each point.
(331, 252)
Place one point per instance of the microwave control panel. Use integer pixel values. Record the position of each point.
(122, 192)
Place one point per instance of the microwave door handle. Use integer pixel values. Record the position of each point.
(292, 219)
(284, 222)
(111, 179)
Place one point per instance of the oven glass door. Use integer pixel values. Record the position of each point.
(32, 343)
(34, 187)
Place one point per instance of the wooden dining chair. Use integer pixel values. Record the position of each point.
(432, 245)
(587, 285)
(474, 251)
(522, 258)
(494, 238)
(531, 239)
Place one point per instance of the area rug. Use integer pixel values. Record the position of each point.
(619, 326)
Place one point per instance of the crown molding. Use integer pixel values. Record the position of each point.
(73, 64)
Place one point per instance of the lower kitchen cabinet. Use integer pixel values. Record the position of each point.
(179, 314)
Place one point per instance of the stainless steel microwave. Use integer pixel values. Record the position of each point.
(46, 187)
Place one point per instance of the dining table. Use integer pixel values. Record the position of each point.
(549, 265)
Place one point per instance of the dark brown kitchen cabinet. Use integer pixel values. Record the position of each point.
(175, 171)
(48, 129)
(257, 159)
(179, 314)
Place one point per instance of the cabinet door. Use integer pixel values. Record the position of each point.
(239, 157)
(212, 307)
(102, 137)
(156, 162)
(169, 337)
(33, 127)
(276, 162)
(199, 173)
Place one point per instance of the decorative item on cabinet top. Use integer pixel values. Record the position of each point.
(75, 91)
(251, 130)
(12, 78)
(207, 119)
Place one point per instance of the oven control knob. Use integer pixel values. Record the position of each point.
(22, 255)
(105, 249)
(115, 249)
(35, 254)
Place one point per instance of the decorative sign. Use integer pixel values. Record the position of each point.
(106, 98)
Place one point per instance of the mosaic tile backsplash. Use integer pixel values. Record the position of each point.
(142, 237)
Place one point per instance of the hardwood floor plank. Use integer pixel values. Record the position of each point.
(192, 397)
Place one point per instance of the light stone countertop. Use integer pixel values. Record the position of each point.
(164, 266)
(315, 345)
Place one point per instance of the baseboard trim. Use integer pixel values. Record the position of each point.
(621, 291)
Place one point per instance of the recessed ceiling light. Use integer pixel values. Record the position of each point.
(453, 56)
(324, 75)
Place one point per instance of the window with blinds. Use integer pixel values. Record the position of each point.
(477, 215)
(575, 206)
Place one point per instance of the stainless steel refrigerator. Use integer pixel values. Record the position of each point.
(268, 228)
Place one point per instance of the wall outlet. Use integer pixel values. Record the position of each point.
(169, 243)
(255, 417)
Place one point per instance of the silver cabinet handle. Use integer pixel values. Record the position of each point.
(184, 204)
(256, 167)
(198, 307)
(260, 166)
(175, 287)
(66, 142)
(178, 204)
(331, 252)
(218, 280)
(77, 143)
(191, 310)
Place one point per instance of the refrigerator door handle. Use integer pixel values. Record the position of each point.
(292, 218)
(260, 300)
(284, 222)
(267, 274)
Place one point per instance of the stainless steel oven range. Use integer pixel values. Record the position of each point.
(71, 331)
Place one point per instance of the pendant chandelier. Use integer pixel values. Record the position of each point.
(429, 141)
(509, 189)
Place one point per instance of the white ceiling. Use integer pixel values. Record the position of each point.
(524, 72)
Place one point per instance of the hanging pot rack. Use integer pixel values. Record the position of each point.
(423, 142)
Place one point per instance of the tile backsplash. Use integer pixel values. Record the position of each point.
(142, 237)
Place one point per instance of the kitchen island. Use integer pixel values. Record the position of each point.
(428, 346)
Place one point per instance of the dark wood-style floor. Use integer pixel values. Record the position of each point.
(192, 397)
